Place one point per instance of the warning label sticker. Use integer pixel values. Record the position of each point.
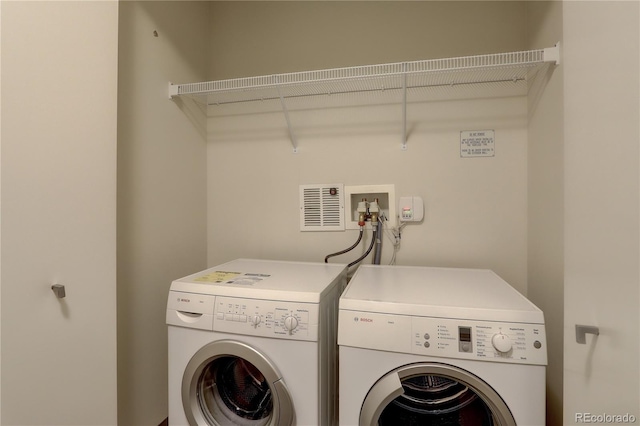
(217, 277)
(228, 277)
(477, 143)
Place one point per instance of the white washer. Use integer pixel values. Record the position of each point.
(421, 345)
(253, 342)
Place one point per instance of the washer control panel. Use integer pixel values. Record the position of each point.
(268, 318)
(443, 337)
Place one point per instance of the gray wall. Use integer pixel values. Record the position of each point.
(58, 212)
(475, 208)
(161, 191)
(242, 178)
(602, 207)
(545, 162)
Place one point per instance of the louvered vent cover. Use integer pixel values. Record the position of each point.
(322, 207)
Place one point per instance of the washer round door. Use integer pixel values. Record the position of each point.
(230, 383)
(433, 394)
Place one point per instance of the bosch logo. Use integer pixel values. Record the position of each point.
(183, 300)
(360, 319)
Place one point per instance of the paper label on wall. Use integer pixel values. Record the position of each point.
(477, 143)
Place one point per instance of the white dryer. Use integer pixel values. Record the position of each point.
(253, 342)
(439, 346)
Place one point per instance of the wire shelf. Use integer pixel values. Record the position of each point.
(500, 74)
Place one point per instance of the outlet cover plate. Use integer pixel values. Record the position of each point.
(386, 195)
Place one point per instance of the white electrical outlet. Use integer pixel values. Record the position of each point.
(411, 209)
(385, 194)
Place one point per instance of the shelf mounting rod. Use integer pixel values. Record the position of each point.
(294, 142)
(404, 107)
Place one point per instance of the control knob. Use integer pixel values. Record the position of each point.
(290, 323)
(501, 343)
(255, 320)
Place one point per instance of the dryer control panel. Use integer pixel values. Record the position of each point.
(442, 337)
(492, 341)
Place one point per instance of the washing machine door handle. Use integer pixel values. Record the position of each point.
(284, 413)
(381, 394)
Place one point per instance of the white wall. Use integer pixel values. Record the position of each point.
(503, 213)
(59, 79)
(476, 208)
(545, 188)
(161, 190)
(602, 213)
(0, 216)
(259, 38)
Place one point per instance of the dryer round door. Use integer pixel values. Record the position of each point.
(230, 383)
(433, 394)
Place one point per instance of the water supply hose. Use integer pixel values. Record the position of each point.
(373, 240)
(377, 252)
(326, 259)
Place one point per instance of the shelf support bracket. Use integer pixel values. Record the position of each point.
(294, 142)
(173, 90)
(552, 54)
(404, 107)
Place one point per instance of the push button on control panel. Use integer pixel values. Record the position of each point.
(426, 343)
(464, 339)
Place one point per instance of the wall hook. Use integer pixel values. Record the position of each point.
(582, 330)
(59, 290)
